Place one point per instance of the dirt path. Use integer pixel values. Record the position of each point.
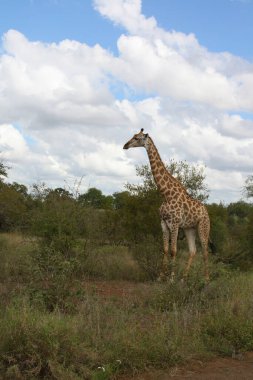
(217, 369)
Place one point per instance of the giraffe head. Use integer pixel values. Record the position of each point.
(140, 139)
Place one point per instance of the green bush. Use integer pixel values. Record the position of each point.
(54, 282)
(111, 263)
(227, 326)
(36, 345)
(167, 325)
(226, 331)
(193, 290)
(15, 263)
(148, 253)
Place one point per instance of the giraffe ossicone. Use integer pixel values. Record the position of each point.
(178, 210)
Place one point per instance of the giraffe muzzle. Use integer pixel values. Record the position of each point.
(125, 146)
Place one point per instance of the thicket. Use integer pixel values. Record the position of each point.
(53, 241)
(63, 220)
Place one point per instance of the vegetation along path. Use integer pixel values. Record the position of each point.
(238, 367)
(217, 369)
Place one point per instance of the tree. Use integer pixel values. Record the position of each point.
(3, 171)
(95, 198)
(248, 188)
(62, 192)
(19, 188)
(12, 202)
(12, 207)
(40, 192)
(219, 227)
(191, 176)
(120, 199)
(57, 218)
(238, 212)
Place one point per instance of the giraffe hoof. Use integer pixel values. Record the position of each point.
(183, 279)
(162, 277)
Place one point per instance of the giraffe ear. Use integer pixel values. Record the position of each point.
(146, 134)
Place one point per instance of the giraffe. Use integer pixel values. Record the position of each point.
(178, 210)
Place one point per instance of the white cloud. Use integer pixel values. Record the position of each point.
(174, 64)
(12, 143)
(63, 97)
(126, 13)
(226, 186)
(29, 163)
(235, 126)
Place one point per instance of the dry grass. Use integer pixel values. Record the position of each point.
(119, 325)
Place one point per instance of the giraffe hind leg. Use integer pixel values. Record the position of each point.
(203, 230)
(190, 234)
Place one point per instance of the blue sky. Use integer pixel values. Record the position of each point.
(220, 25)
(100, 70)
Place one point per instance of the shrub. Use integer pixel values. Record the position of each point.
(227, 331)
(111, 263)
(37, 345)
(148, 254)
(53, 282)
(193, 292)
(15, 263)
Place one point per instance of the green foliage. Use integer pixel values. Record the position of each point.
(248, 187)
(219, 228)
(54, 282)
(94, 198)
(3, 171)
(106, 372)
(13, 206)
(111, 263)
(15, 260)
(238, 211)
(231, 233)
(227, 327)
(234, 332)
(140, 217)
(192, 177)
(52, 329)
(36, 345)
(53, 326)
(57, 219)
(148, 255)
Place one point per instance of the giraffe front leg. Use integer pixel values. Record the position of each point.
(174, 233)
(166, 235)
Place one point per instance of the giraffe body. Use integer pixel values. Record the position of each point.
(179, 209)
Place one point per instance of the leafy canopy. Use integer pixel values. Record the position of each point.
(192, 178)
(248, 188)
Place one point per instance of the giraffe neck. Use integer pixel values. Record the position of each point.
(168, 186)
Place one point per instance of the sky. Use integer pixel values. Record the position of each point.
(79, 77)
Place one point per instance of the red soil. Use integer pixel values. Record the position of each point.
(217, 369)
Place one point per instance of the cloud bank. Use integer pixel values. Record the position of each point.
(66, 109)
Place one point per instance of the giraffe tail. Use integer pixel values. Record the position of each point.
(212, 247)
